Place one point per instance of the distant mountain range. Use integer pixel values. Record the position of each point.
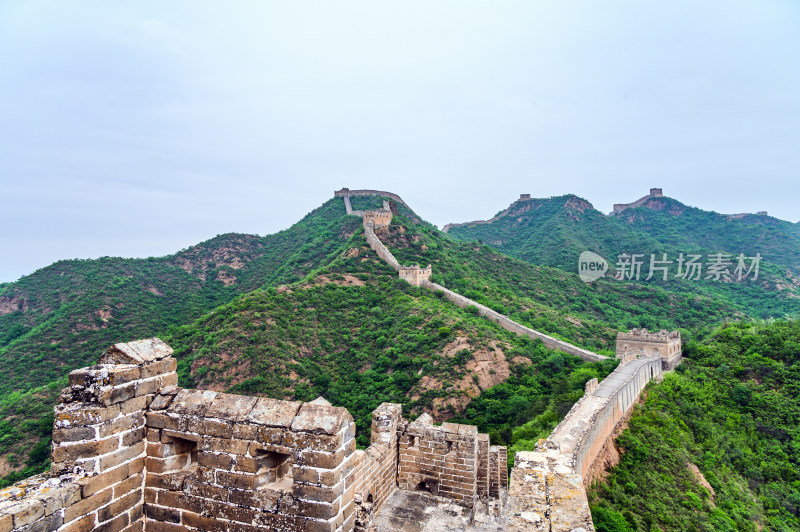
(555, 231)
(312, 311)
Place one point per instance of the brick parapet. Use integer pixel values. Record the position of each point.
(374, 475)
(605, 418)
(382, 251)
(554, 476)
(97, 476)
(249, 462)
(443, 460)
(640, 342)
(510, 325)
(132, 451)
(345, 192)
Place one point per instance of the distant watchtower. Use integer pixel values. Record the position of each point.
(380, 217)
(524, 197)
(415, 275)
(654, 193)
(640, 342)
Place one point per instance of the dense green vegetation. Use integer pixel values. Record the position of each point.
(312, 311)
(75, 309)
(26, 423)
(386, 341)
(547, 299)
(72, 310)
(732, 409)
(555, 231)
(359, 346)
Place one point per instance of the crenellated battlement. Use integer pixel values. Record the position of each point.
(415, 275)
(654, 193)
(378, 218)
(134, 452)
(640, 342)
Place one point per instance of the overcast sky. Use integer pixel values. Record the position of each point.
(140, 128)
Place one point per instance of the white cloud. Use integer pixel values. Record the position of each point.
(207, 117)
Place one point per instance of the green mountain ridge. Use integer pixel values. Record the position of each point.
(557, 230)
(70, 311)
(713, 447)
(313, 311)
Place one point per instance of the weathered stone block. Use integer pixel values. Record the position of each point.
(83, 524)
(74, 434)
(70, 452)
(274, 413)
(148, 387)
(199, 522)
(216, 460)
(316, 442)
(123, 455)
(88, 505)
(161, 513)
(133, 483)
(161, 402)
(245, 431)
(168, 380)
(119, 506)
(93, 484)
(152, 525)
(242, 481)
(165, 465)
(79, 414)
(191, 402)
(265, 499)
(318, 493)
(222, 445)
(158, 420)
(206, 491)
(321, 419)
(231, 407)
(159, 367)
(137, 352)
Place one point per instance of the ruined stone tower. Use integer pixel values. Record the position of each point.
(665, 345)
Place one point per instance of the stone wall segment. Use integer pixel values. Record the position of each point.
(510, 325)
(381, 193)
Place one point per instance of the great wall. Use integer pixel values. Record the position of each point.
(134, 452)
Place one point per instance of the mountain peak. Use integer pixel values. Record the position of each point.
(654, 193)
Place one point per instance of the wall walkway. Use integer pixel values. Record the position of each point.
(502, 320)
(547, 491)
(510, 325)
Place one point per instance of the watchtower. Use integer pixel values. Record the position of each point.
(640, 342)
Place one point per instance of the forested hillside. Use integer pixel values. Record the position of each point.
(556, 231)
(714, 447)
(358, 335)
(64, 315)
(313, 311)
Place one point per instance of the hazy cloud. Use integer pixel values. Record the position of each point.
(140, 128)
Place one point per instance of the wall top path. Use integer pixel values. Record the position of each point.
(363, 192)
(569, 432)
